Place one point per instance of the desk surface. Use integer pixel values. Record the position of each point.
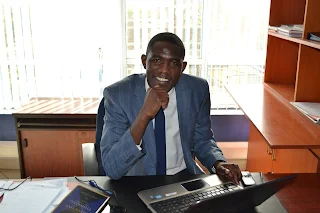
(281, 124)
(300, 197)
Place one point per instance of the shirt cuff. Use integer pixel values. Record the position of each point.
(214, 169)
(139, 146)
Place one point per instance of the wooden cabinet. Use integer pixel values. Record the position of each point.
(50, 133)
(54, 153)
(262, 158)
(258, 158)
(293, 160)
(281, 138)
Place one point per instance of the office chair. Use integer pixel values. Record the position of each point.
(91, 153)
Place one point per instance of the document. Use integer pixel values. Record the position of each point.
(32, 196)
(4, 184)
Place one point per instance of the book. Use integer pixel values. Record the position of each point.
(314, 36)
(293, 35)
(82, 199)
(310, 109)
(292, 30)
(274, 28)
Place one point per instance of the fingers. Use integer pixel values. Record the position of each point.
(162, 96)
(231, 172)
(164, 103)
(239, 172)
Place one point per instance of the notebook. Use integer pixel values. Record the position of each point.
(210, 194)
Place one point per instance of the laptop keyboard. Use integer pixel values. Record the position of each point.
(182, 203)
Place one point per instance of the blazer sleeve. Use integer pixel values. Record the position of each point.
(118, 149)
(205, 146)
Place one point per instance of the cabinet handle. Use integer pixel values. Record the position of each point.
(269, 151)
(273, 156)
(25, 143)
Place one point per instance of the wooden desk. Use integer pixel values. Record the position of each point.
(302, 196)
(281, 139)
(50, 132)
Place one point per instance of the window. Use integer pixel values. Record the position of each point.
(225, 40)
(57, 49)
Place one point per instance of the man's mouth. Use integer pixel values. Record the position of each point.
(162, 79)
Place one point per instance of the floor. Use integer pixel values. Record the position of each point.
(10, 174)
(9, 161)
(235, 152)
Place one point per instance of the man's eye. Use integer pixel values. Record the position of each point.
(156, 59)
(174, 63)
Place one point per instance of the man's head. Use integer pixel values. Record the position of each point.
(164, 60)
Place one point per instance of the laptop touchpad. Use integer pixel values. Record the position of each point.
(194, 185)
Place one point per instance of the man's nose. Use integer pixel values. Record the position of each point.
(165, 67)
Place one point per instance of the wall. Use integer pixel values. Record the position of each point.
(7, 128)
(230, 127)
(225, 128)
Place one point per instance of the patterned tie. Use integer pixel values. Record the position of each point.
(160, 136)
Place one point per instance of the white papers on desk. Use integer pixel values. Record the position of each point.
(5, 185)
(310, 109)
(32, 196)
(56, 202)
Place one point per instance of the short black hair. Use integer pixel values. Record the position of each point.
(167, 37)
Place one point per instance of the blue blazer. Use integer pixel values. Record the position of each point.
(123, 101)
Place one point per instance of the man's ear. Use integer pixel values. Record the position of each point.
(144, 61)
(184, 65)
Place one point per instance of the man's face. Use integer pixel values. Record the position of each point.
(164, 65)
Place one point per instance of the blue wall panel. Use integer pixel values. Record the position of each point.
(225, 128)
(7, 128)
(230, 127)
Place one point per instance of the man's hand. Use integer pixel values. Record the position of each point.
(155, 98)
(229, 170)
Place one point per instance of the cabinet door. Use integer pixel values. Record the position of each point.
(294, 161)
(54, 153)
(258, 160)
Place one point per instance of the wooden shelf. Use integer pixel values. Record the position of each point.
(282, 126)
(306, 42)
(285, 91)
(279, 133)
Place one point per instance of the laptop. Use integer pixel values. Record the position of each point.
(210, 194)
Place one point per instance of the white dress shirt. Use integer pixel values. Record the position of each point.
(174, 153)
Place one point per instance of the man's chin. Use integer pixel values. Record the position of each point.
(166, 87)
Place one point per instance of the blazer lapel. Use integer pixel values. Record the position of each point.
(148, 143)
(182, 97)
(139, 93)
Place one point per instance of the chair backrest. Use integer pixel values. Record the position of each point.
(99, 128)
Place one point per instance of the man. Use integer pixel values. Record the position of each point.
(156, 122)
